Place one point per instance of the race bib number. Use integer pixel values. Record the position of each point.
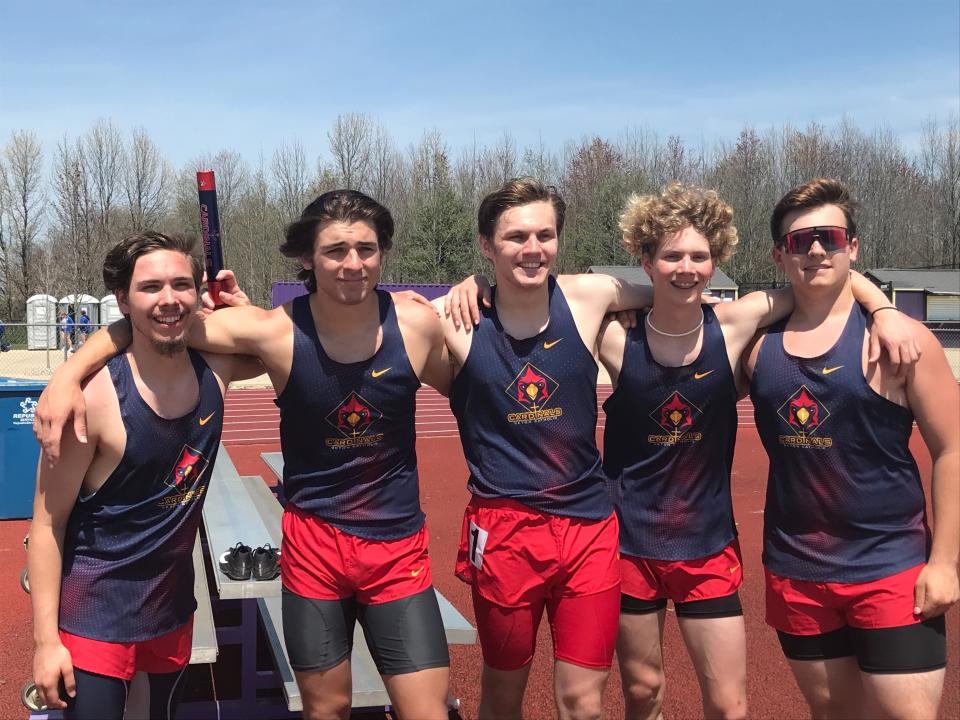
(478, 541)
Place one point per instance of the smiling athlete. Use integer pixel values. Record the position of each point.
(114, 523)
(346, 361)
(668, 447)
(856, 588)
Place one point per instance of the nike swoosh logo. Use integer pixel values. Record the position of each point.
(701, 376)
(827, 371)
(378, 373)
(416, 572)
(734, 569)
(548, 345)
(204, 421)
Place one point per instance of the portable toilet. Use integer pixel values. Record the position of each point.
(109, 310)
(80, 303)
(41, 322)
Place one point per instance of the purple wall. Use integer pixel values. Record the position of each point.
(913, 304)
(286, 291)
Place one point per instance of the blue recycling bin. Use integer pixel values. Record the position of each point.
(19, 449)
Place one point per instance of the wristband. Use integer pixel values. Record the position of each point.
(885, 307)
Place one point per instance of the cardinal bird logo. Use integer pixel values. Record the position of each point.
(353, 416)
(532, 388)
(676, 414)
(189, 467)
(803, 412)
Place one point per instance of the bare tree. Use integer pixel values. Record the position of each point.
(350, 144)
(146, 181)
(941, 167)
(104, 161)
(540, 162)
(289, 168)
(385, 166)
(5, 269)
(75, 231)
(26, 205)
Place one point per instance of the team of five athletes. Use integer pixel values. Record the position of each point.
(857, 583)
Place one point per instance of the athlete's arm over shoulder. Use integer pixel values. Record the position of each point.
(423, 338)
(56, 493)
(457, 336)
(244, 329)
(233, 367)
(742, 318)
(891, 330)
(605, 293)
(934, 398)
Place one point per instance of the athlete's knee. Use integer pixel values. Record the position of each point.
(643, 690)
(495, 706)
(327, 694)
(330, 706)
(501, 693)
(725, 706)
(825, 705)
(580, 704)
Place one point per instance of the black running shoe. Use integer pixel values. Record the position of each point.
(237, 562)
(266, 562)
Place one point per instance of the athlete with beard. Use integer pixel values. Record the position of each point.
(856, 587)
(668, 447)
(346, 361)
(114, 523)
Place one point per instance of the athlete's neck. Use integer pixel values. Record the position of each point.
(337, 318)
(167, 383)
(675, 318)
(155, 367)
(523, 312)
(815, 305)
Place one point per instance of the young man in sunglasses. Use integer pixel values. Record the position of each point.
(856, 588)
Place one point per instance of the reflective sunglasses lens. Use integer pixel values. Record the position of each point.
(799, 242)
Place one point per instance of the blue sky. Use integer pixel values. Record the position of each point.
(203, 76)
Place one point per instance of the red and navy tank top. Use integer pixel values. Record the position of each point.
(127, 556)
(348, 432)
(668, 449)
(844, 499)
(527, 413)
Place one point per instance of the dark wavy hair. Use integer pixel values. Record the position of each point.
(121, 258)
(347, 206)
(514, 193)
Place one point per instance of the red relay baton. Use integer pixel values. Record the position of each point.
(210, 233)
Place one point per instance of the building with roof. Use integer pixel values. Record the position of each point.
(926, 295)
(720, 284)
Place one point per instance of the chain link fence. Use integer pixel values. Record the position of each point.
(949, 336)
(34, 351)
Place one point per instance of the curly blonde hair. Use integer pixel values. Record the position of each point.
(647, 219)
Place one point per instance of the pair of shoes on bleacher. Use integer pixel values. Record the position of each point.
(242, 563)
